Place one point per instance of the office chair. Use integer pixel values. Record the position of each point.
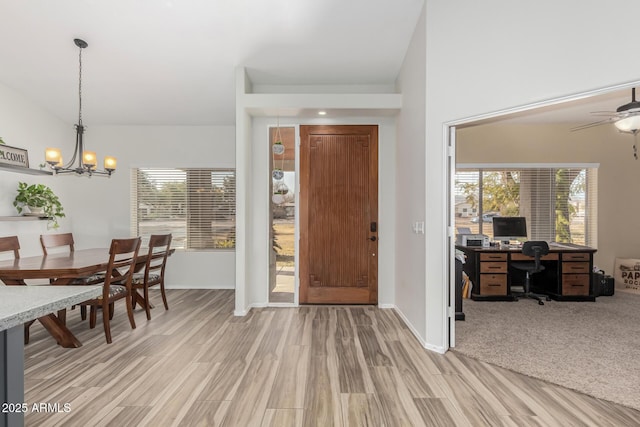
(535, 249)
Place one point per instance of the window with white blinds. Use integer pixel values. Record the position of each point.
(197, 206)
(559, 203)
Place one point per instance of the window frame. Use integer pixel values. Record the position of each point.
(191, 207)
(591, 217)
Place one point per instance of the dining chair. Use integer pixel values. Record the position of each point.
(61, 240)
(49, 241)
(159, 246)
(117, 283)
(10, 244)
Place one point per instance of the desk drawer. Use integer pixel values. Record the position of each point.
(521, 257)
(493, 284)
(499, 256)
(575, 267)
(575, 284)
(493, 267)
(576, 256)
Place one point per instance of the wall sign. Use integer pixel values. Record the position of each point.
(13, 156)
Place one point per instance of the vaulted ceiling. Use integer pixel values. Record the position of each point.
(172, 62)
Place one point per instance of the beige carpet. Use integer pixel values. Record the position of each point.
(590, 347)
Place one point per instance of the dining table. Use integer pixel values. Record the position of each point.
(61, 269)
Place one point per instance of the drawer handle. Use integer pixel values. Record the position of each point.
(493, 267)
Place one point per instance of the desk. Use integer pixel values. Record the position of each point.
(64, 267)
(567, 274)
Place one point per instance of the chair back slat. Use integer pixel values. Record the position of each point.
(159, 245)
(10, 244)
(48, 241)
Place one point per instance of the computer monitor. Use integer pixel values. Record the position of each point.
(506, 228)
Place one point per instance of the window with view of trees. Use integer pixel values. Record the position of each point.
(197, 206)
(559, 203)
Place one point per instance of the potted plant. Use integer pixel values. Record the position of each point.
(40, 200)
(278, 148)
(277, 173)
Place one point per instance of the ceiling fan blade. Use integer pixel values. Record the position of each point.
(589, 125)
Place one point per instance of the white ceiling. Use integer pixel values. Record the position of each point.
(172, 62)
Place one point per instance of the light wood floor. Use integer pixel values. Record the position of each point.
(197, 364)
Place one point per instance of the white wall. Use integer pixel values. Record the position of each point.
(258, 275)
(498, 54)
(99, 208)
(410, 296)
(26, 125)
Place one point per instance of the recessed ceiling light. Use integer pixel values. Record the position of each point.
(322, 113)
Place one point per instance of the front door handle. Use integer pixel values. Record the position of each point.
(373, 238)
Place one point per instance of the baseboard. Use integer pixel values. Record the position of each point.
(386, 306)
(434, 348)
(248, 309)
(282, 304)
(196, 286)
(258, 305)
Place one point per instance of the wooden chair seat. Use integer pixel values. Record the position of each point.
(94, 279)
(138, 278)
(114, 291)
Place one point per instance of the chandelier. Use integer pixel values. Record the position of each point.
(82, 161)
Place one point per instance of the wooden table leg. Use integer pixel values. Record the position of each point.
(59, 331)
(62, 316)
(139, 299)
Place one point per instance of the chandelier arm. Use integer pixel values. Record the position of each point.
(75, 153)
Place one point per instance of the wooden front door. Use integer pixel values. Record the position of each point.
(338, 214)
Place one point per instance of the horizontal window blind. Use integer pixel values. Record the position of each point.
(196, 205)
(559, 203)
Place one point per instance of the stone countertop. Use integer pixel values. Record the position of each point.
(20, 304)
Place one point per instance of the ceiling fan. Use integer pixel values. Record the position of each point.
(626, 119)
